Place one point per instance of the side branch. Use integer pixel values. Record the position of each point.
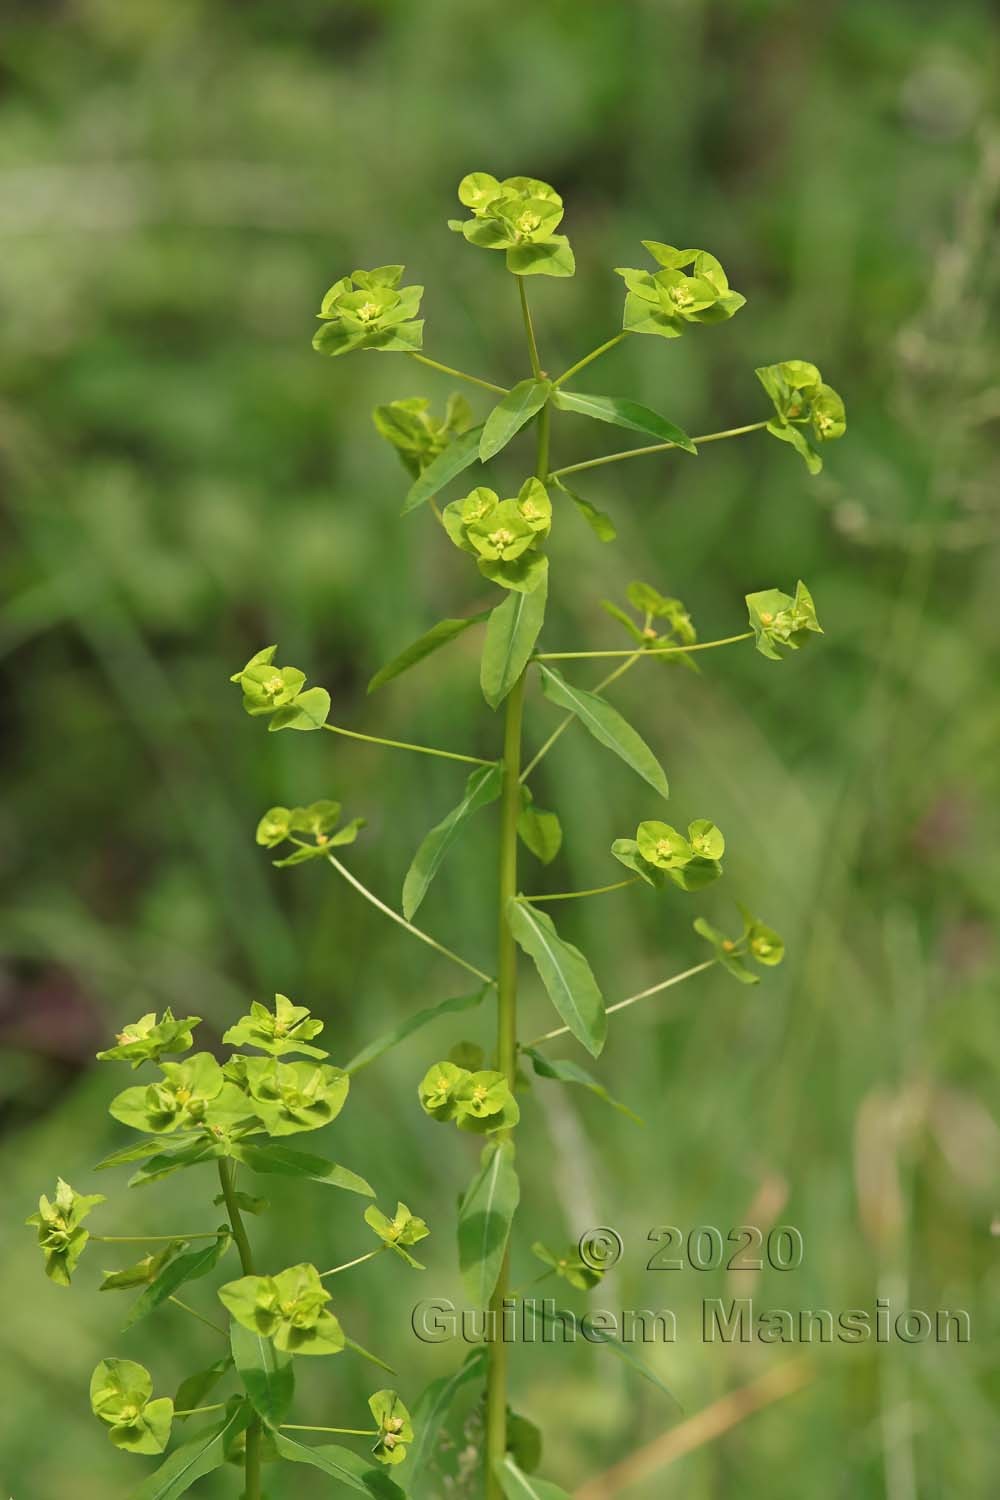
(401, 921)
(654, 989)
(613, 458)
(727, 640)
(375, 739)
(434, 364)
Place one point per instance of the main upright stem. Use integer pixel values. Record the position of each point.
(252, 1462)
(510, 809)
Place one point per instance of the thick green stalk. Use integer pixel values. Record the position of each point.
(252, 1465)
(510, 808)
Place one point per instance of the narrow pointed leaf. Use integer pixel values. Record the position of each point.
(191, 1462)
(520, 1486)
(506, 419)
(432, 640)
(414, 1023)
(543, 1310)
(266, 1373)
(482, 788)
(484, 1220)
(430, 1414)
(565, 1071)
(283, 1161)
(510, 639)
(440, 471)
(186, 1267)
(194, 1388)
(599, 522)
(606, 725)
(151, 1146)
(352, 1469)
(539, 831)
(565, 973)
(366, 1354)
(621, 412)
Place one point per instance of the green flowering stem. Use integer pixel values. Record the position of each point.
(375, 739)
(654, 989)
(613, 458)
(185, 1307)
(458, 374)
(529, 328)
(359, 1260)
(598, 890)
(196, 1411)
(727, 640)
(569, 719)
(252, 1459)
(145, 1239)
(345, 1431)
(587, 360)
(401, 921)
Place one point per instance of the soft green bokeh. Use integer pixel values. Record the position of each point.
(183, 477)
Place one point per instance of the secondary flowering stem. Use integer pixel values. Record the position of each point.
(613, 458)
(147, 1239)
(186, 1307)
(654, 989)
(529, 328)
(252, 1458)
(376, 739)
(346, 1431)
(587, 360)
(598, 890)
(394, 916)
(358, 1260)
(727, 640)
(435, 364)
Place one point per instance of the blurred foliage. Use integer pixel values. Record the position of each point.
(184, 479)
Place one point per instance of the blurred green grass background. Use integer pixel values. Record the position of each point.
(184, 480)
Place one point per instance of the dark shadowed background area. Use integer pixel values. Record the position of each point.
(184, 480)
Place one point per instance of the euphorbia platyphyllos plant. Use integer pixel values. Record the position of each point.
(234, 1114)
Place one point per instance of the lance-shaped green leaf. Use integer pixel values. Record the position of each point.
(539, 831)
(524, 1442)
(431, 1412)
(560, 1319)
(353, 1471)
(482, 788)
(282, 1161)
(606, 725)
(520, 1486)
(621, 412)
(175, 1159)
(187, 1267)
(564, 971)
(565, 1071)
(266, 1372)
(194, 1388)
(414, 1023)
(599, 522)
(484, 1219)
(511, 414)
(202, 1455)
(510, 639)
(432, 640)
(151, 1146)
(144, 1272)
(458, 455)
